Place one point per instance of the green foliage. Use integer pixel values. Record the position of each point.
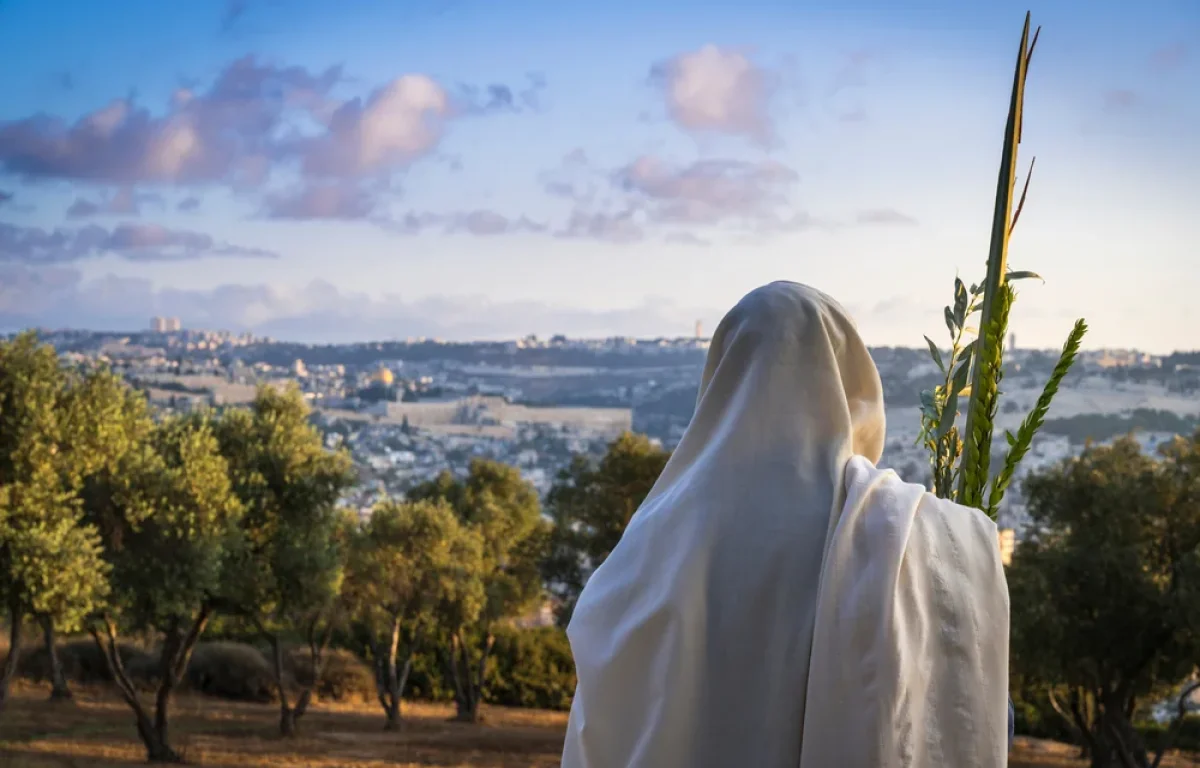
(82, 661)
(496, 503)
(408, 559)
(1019, 444)
(962, 464)
(531, 668)
(939, 407)
(410, 565)
(984, 401)
(503, 509)
(286, 563)
(344, 676)
(591, 503)
(234, 671)
(50, 558)
(168, 514)
(286, 566)
(1103, 587)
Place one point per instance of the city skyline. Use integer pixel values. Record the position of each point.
(456, 170)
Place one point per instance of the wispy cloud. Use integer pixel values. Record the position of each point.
(884, 216)
(499, 97)
(616, 227)
(843, 96)
(1121, 99)
(1169, 57)
(322, 200)
(316, 312)
(123, 202)
(135, 242)
(709, 191)
(479, 222)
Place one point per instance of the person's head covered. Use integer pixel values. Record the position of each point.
(788, 384)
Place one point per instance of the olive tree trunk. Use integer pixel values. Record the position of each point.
(59, 689)
(468, 678)
(13, 662)
(174, 656)
(290, 714)
(390, 677)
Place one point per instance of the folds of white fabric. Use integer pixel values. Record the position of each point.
(910, 650)
(777, 601)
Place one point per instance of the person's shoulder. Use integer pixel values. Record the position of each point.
(861, 474)
(959, 513)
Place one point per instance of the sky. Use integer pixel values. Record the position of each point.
(469, 169)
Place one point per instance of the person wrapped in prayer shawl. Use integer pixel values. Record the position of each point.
(777, 600)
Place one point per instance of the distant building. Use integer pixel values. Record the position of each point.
(1012, 342)
(699, 329)
(165, 324)
(485, 410)
(383, 376)
(299, 369)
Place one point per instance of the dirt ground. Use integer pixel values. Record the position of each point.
(97, 730)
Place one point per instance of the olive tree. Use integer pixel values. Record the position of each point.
(409, 561)
(503, 509)
(167, 513)
(50, 563)
(590, 504)
(286, 568)
(1106, 609)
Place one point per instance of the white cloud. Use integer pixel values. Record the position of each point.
(718, 90)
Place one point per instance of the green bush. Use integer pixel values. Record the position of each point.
(427, 678)
(531, 668)
(82, 661)
(234, 671)
(344, 678)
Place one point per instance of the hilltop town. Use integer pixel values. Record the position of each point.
(406, 410)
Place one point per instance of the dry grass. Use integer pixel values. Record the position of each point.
(97, 731)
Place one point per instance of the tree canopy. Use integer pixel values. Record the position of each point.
(503, 510)
(409, 562)
(591, 503)
(286, 565)
(1104, 587)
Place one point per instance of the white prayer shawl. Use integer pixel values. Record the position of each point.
(749, 565)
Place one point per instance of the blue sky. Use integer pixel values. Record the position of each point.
(467, 169)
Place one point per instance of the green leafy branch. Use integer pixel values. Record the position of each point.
(1019, 444)
(962, 463)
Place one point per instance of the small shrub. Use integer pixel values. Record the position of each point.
(427, 678)
(233, 671)
(83, 663)
(344, 678)
(531, 668)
